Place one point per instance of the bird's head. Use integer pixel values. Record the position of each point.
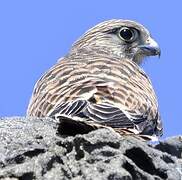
(121, 38)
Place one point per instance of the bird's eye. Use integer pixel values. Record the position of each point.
(127, 34)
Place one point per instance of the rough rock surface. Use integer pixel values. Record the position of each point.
(33, 149)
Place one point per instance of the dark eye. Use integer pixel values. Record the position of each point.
(127, 34)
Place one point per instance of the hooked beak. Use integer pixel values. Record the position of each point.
(151, 48)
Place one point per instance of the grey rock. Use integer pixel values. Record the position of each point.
(32, 148)
(172, 145)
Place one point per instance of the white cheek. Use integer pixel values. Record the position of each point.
(117, 53)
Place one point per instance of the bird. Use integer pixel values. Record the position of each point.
(100, 83)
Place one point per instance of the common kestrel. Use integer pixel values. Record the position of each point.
(99, 82)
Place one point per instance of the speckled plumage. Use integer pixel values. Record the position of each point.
(101, 83)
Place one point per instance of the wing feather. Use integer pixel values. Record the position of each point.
(102, 114)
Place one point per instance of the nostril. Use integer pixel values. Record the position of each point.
(148, 41)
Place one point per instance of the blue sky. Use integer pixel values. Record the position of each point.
(34, 34)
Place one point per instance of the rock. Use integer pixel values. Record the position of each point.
(32, 148)
(172, 145)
